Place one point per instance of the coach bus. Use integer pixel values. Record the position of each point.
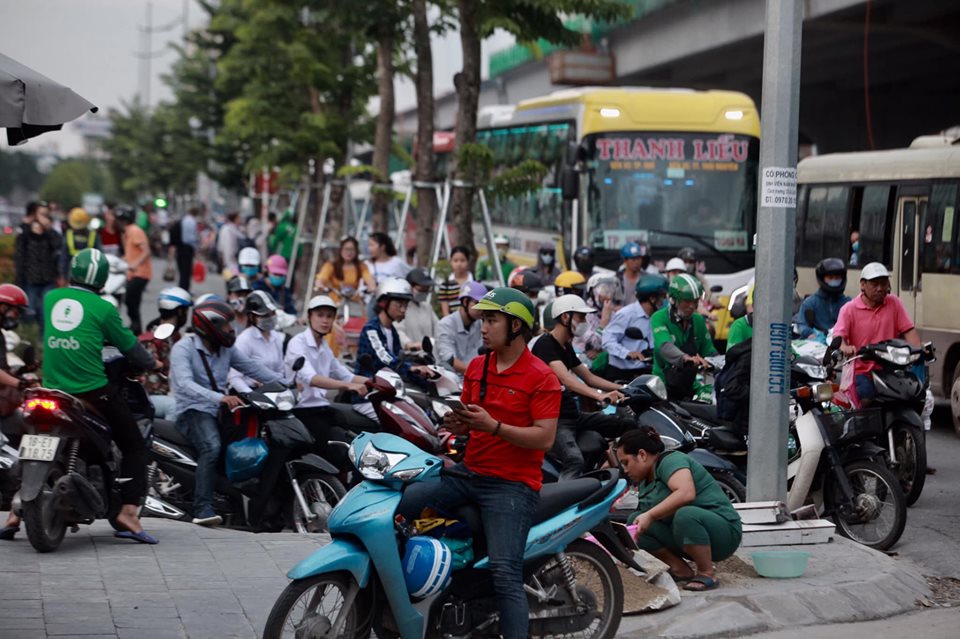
(898, 207)
(668, 167)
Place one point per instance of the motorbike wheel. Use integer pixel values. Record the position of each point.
(911, 453)
(45, 524)
(310, 607)
(322, 492)
(732, 487)
(880, 507)
(598, 583)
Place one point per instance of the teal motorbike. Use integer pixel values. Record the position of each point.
(375, 576)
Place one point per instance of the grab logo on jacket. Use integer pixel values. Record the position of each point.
(66, 315)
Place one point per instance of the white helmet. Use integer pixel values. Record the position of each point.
(501, 239)
(174, 297)
(395, 288)
(321, 301)
(675, 264)
(248, 256)
(607, 280)
(570, 304)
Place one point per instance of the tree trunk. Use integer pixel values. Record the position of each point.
(467, 84)
(384, 133)
(423, 169)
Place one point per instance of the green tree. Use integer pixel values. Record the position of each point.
(527, 20)
(18, 170)
(70, 179)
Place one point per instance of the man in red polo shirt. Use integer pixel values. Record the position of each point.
(873, 316)
(512, 404)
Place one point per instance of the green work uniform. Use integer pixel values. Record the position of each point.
(485, 270)
(740, 331)
(77, 325)
(665, 330)
(709, 520)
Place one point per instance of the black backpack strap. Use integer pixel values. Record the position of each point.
(206, 367)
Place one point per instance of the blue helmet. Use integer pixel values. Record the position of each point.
(427, 564)
(632, 249)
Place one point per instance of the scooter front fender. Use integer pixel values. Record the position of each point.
(339, 555)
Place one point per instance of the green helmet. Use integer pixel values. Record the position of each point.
(685, 287)
(649, 285)
(509, 301)
(90, 268)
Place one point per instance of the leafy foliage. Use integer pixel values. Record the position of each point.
(70, 179)
(18, 170)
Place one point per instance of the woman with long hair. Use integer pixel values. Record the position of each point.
(383, 263)
(448, 293)
(341, 276)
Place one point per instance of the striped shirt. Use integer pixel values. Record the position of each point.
(449, 290)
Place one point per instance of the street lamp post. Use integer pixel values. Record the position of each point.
(776, 230)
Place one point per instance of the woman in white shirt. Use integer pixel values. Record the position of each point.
(384, 263)
(259, 341)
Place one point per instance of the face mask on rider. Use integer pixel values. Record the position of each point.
(579, 329)
(250, 271)
(546, 258)
(833, 282)
(268, 323)
(420, 296)
(278, 280)
(9, 323)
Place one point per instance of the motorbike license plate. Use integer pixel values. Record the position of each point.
(38, 447)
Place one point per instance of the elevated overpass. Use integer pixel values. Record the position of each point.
(912, 51)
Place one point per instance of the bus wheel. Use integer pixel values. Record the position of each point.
(955, 400)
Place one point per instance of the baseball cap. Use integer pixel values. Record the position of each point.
(874, 270)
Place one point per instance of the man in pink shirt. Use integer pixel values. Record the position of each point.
(873, 316)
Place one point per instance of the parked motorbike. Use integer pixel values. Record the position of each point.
(356, 583)
(900, 396)
(835, 464)
(116, 285)
(305, 495)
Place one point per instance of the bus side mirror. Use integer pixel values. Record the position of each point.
(573, 152)
(569, 183)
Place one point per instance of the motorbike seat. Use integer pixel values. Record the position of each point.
(727, 439)
(167, 430)
(554, 498)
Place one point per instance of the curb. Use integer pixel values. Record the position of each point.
(866, 585)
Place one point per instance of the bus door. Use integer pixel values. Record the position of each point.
(905, 282)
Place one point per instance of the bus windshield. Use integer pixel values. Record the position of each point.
(672, 189)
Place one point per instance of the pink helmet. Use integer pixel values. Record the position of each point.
(276, 265)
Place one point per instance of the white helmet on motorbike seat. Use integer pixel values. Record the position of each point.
(321, 301)
(395, 288)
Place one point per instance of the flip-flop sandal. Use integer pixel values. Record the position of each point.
(679, 580)
(707, 583)
(7, 532)
(140, 537)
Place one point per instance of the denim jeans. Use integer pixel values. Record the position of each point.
(35, 294)
(506, 509)
(202, 432)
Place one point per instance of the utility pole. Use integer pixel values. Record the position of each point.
(776, 230)
(146, 55)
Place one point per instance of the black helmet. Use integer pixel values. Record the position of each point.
(687, 254)
(125, 214)
(420, 277)
(212, 320)
(259, 303)
(584, 259)
(835, 267)
(238, 284)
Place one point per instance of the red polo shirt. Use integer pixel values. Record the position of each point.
(519, 395)
(861, 325)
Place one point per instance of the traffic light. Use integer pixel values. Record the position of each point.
(160, 203)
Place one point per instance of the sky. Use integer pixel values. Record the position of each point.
(91, 46)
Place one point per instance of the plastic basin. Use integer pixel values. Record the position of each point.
(780, 564)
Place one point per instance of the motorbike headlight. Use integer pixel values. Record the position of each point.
(657, 387)
(286, 401)
(823, 392)
(899, 355)
(813, 371)
(375, 463)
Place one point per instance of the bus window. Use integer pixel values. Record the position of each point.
(812, 243)
(939, 240)
(873, 222)
(836, 222)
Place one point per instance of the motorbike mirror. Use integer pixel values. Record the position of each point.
(29, 355)
(427, 345)
(634, 333)
(298, 363)
(835, 343)
(163, 331)
(716, 288)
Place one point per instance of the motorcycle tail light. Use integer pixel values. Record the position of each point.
(42, 403)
